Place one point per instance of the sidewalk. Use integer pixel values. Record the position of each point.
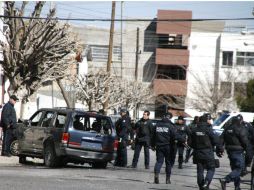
(7, 161)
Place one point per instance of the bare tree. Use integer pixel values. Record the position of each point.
(134, 93)
(91, 90)
(35, 50)
(209, 97)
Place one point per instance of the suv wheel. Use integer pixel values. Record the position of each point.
(22, 159)
(50, 158)
(100, 165)
(14, 148)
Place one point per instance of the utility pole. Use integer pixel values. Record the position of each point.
(121, 39)
(137, 55)
(110, 50)
(136, 70)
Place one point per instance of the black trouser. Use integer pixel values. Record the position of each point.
(8, 136)
(236, 163)
(201, 166)
(173, 151)
(121, 154)
(180, 149)
(249, 156)
(163, 152)
(138, 147)
(3, 141)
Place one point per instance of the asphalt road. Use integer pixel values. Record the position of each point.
(34, 175)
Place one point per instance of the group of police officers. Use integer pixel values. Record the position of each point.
(167, 138)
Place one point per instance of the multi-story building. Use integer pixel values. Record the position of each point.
(221, 63)
(172, 59)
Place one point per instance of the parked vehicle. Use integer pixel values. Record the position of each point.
(61, 136)
(224, 119)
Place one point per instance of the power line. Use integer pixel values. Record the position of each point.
(125, 20)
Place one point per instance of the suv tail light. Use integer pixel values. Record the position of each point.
(116, 145)
(65, 138)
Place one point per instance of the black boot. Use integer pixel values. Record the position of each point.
(156, 178)
(244, 172)
(180, 166)
(168, 180)
(223, 184)
(206, 185)
(237, 188)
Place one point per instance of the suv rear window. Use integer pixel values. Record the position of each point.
(92, 123)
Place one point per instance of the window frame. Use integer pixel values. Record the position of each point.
(243, 55)
(227, 58)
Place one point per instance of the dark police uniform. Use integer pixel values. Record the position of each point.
(249, 153)
(161, 137)
(8, 124)
(202, 140)
(235, 139)
(192, 126)
(122, 131)
(143, 131)
(182, 131)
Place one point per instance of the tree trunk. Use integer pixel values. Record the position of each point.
(65, 96)
(90, 106)
(22, 108)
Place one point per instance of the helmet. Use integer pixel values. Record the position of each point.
(207, 116)
(168, 115)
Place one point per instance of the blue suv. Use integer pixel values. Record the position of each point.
(61, 136)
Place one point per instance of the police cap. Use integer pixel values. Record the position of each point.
(123, 110)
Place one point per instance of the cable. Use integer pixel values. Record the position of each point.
(126, 20)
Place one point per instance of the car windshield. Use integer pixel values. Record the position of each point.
(219, 120)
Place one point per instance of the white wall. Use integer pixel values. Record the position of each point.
(202, 57)
(202, 62)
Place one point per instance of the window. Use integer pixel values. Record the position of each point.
(245, 58)
(100, 53)
(60, 121)
(36, 118)
(227, 58)
(47, 119)
(171, 41)
(226, 89)
(89, 123)
(171, 72)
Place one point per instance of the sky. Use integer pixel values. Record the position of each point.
(148, 9)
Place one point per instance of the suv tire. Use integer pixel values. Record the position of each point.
(14, 148)
(100, 165)
(50, 158)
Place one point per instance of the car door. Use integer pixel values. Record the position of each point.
(96, 134)
(26, 141)
(40, 131)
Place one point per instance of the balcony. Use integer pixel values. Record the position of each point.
(172, 87)
(180, 27)
(172, 57)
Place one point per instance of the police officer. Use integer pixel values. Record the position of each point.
(249, 153)
(182, 131)
(143, 131)
(192, 126)
(122, 129)
(202, 140)
(235, 139)
(162, 135)
(8, 123)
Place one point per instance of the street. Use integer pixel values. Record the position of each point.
(35, 176)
